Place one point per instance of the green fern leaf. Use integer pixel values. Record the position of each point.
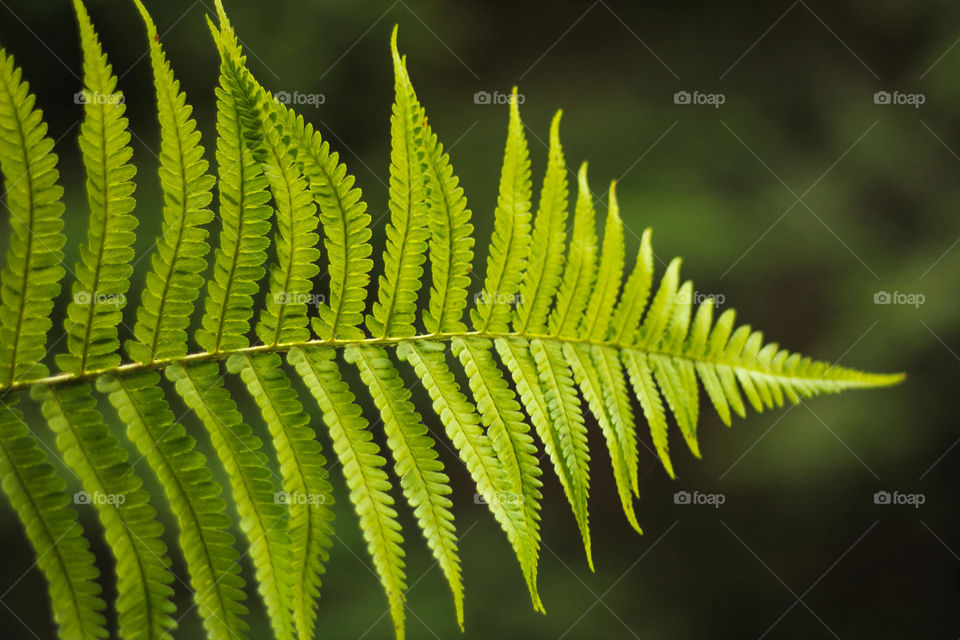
(407, 232)
(636, 293)
(596, 321)
(305, 479)
(556, 380)
(463, 428)
(512, 444)
(175, 280)
(255, 493)
(194, 496)
(144, 603)
(542, 276)
(363, 468)
(557, 430)
(510, 246)
(284, 317)
(103, 272)
(451, 240)
(424, 483)
(245, 212)
(346, 228)
(641, 379)
(557, 312)
(31, 279)
(578, 273)
(591, 386)
(63, 555)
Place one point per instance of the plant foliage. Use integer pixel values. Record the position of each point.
(558, 338)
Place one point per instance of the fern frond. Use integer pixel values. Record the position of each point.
(579, 270)
(451, 240)
(424, 483)
(31, 279)
(284, 316)
(510, 245)
(542, 275)
(63, 554)
(463, 428)
(306, 488)
(245, 213)
(563, 406)
(262, 518)
(179, 259)
(407, 232)
(536, 394)
(614, 386)
(346, 228)
(554, 331)
(596, 320)
(591, 386)
(144, 603)
(207, 545)
(105, 266)
(641, 379)
(636, 293)
(510, 436)
(363, 469)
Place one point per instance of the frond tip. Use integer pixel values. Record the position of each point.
(556, 332)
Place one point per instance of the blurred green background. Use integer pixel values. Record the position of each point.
(799, 200)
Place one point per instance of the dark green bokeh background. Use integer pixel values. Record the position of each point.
(720, 186)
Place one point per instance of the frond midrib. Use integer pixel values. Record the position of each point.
(871, 379)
